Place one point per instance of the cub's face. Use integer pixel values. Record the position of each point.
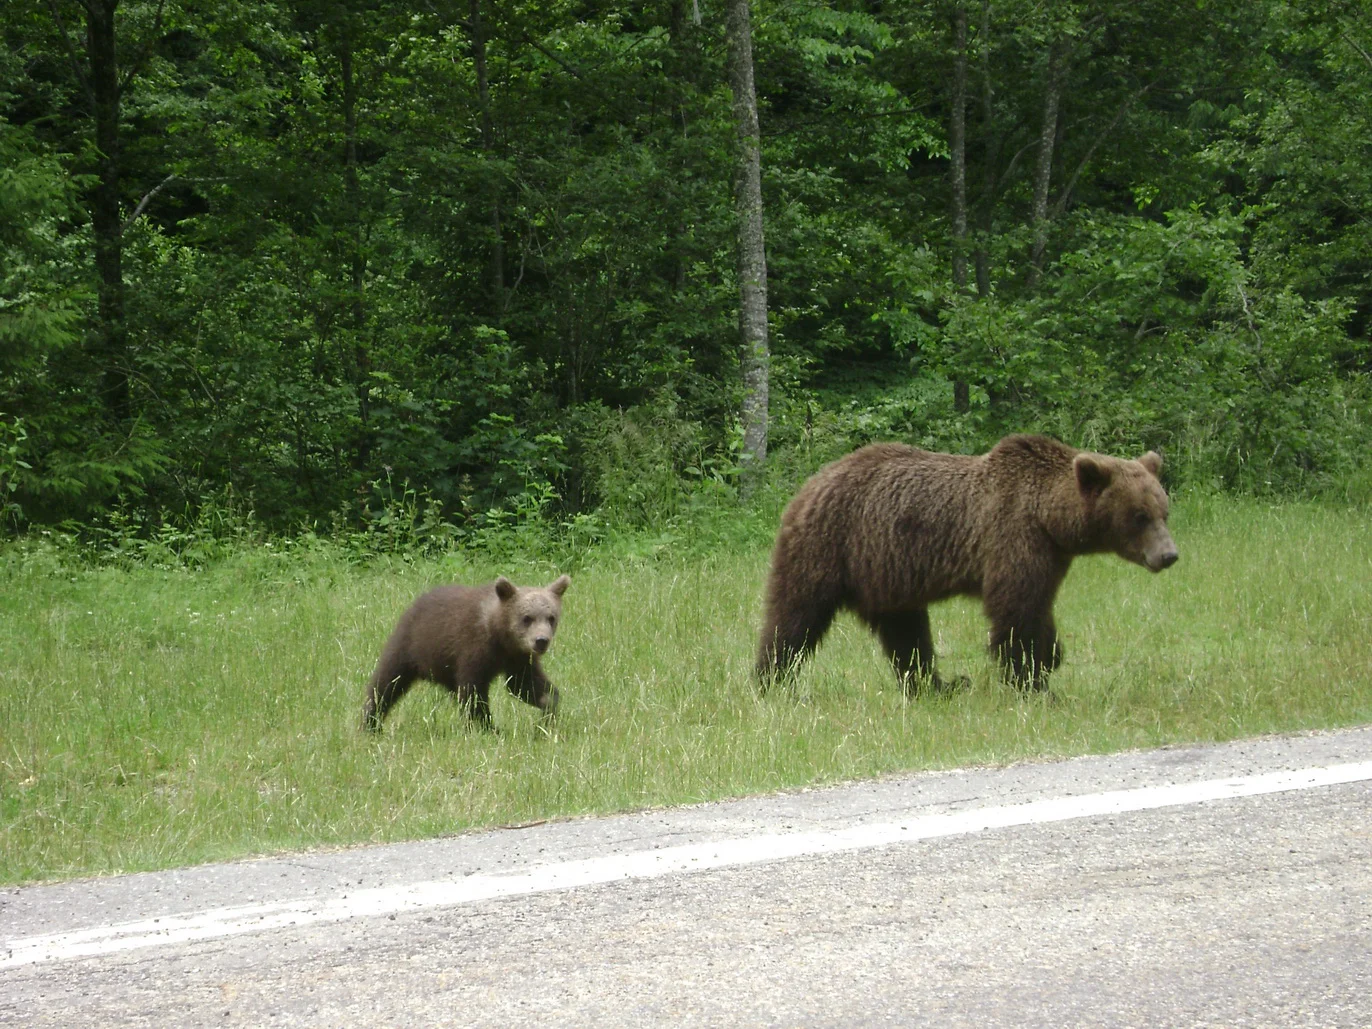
(530, 614)
(1127, 505)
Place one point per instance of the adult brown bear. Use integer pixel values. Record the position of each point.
(889, 530)
(462, 637)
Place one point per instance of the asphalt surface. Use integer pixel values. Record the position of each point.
(1198, 909)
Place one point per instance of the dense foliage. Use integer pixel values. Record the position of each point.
(311, 257)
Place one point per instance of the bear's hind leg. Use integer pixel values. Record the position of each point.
(388, 684)
(790, 634)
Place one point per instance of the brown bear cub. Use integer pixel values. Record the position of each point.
(889, 530)
(462, 637)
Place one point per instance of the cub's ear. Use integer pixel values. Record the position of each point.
(1093, 474)
(1153, 462)
(560, 585)
(504, 588)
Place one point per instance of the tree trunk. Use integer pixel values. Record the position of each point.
(751, 258)
(106, 225)
(352, 191)
(957, 147)
(990, 159)
(686, 69)
(1043, 165)
(483, 98)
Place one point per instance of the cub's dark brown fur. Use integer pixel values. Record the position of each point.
(462, 637)
(889, 530)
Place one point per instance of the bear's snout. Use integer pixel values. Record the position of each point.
(1164, 557)
(541, 642)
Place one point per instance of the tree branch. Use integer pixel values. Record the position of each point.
(552, 57)
(1355, 45)
(71, 53)
(148, 197)
(1014, 160)
(147, 49)
(1066, 194)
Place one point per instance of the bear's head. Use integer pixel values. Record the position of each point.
(529, 614)
(1126, 507)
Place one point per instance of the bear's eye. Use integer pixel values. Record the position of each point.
(551, 621)
(1141, 519)
(528, 620)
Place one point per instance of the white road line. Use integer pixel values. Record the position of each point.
(695, 857)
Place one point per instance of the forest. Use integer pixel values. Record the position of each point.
(482, 262)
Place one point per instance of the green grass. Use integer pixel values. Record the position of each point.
(151, 718)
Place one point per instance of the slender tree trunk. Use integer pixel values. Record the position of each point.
(752, 261)
(686, 69)
(483, 98)
(106, 225)
(352, 192)
(957, 147)
(990, 158)
(1043, 165)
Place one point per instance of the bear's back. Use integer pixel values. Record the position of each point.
(891, 516)
(449, 626)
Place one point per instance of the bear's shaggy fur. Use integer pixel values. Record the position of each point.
(889, 530)
(462, 637)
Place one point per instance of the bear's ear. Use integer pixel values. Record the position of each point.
(504, 588)
(1153, 462)
(560, 585)
(1093, 475)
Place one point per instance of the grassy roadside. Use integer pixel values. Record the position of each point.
(153, 718)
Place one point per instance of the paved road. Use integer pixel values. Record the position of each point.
(1199, 886)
